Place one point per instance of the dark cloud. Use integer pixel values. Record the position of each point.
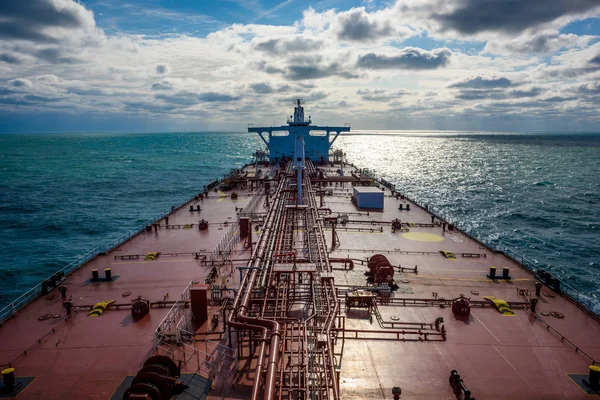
(497, 93)
(41, 99)
(306, 67)
(265, 88)
(273, 70)
(56, 56)
(407, 58)
(187, 99)
(20, 82)
(511, 16)
(559, 99)
(301, 72)
(162, 69)
(164, 85)
(481, 82)
(213, 96)
(13, 101)
(595, 60)
(137, 106)
(87, 91)
(29, 19)
(481, 95)
(355, 25)
(262, 88)
(316, 96)
(381, 94)
(10, 59)
(535, 91)
(286, 46)
(590, 88)
(180, 98)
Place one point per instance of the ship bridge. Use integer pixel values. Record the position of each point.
(282, 140)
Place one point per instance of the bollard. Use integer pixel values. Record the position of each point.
(68, 305)
(533, 303)
(538, 288)
(8, 375)
(594, 377)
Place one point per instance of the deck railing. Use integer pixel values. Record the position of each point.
(223, 248)
(251, 206)
(12, 308)
(168, 325)
(588, 303)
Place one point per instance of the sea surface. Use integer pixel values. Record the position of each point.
(61, 195)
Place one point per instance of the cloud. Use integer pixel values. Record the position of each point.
(20, 82)
(212, 97)
(302, 72)
(497, 93)
(535, 41)
(42, 20)
(56, 56)
(358, 25)
(351, 55)
(482, 82)
(381, 95)
(162, 69)
(411, 58)
(306, 67)
(164, 85)
(10, 59)
(590, 88)
(508, 16)
(286, 46)
(262, 88)
(184, 98)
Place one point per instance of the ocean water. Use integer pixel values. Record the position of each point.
(61, 195)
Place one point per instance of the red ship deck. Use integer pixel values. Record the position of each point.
(497, 356)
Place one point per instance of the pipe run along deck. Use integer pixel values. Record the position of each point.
(278, 324)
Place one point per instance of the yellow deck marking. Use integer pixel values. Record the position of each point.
(222, 196)
(423, 237)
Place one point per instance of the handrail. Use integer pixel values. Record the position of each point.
(589, 304)
(30, 295)
(592, 306)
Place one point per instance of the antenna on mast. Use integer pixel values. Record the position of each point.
(298, 111)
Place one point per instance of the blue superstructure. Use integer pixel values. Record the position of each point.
(282, 140)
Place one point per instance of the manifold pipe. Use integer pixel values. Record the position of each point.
(256, 323)
(261, 353)
(336, 388)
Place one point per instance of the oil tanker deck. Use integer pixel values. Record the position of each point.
(299, 276)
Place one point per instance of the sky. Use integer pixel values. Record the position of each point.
(198, 65)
